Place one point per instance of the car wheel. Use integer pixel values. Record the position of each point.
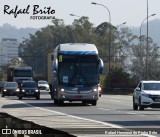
(38, 97)
(55, 101)
(135, 106)
(94, 103)
(60, 102)
(140, 106)
(20, 98)
(2, 95)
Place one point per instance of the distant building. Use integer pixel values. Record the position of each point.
(8, 50)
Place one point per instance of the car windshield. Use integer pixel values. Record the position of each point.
(11, 84)
(151, 86)
(42, 82)
(77, 70)
(29, 84)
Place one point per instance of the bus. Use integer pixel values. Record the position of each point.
(19, 73)
(75, 73)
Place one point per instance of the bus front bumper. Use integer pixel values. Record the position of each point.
(78, 97)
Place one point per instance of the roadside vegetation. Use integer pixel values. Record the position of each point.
(127, 53)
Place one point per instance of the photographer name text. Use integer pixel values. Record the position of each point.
(37, 11)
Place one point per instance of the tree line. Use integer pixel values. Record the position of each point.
(129, 53)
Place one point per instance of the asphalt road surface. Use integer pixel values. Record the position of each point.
(114, 109)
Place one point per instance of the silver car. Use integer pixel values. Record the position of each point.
(146, 94)
(43, 85)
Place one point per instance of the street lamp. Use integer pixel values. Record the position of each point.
(147, 40)
(36, 65)
(121, 24)
(74, 15)
(117, 33)
(142, 24)
(109, 47)
(147, 46)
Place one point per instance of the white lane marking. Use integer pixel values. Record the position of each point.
(104, 108)
(131, 113)
(99, 122)
(80, 118)
(143, 115)
(114, 100)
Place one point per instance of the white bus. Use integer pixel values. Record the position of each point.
(75, 73)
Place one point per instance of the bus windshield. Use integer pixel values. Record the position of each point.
(23, 73)
(79, 70)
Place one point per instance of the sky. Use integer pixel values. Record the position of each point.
(131, 11)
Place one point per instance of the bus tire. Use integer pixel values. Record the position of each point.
(60, 102)
(38, 97)
(94, 103)
(2, 94)
(55, 101)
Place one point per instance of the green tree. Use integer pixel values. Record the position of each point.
(140, 54)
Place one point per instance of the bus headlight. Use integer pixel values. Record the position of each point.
(36, 90)
(95, 89)
(17, 90)
(23, 90)
(62, 89)
(5, 90)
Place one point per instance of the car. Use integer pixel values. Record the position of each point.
(28, 89)
(9, 89)
(43, 85)
(146, 94)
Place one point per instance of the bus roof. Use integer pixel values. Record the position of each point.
(78, 49)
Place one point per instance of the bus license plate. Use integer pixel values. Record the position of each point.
(29, 93)
(78, 97)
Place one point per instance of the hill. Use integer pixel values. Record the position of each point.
(8, 31)
(153, 30)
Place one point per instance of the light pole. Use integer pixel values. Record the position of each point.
(121, 24)
(141, 26)
(140, 35)
(147, 46)
(117, 33)
(36, 65)
(109, 47)
(74, 15)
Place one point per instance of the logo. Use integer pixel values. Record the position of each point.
(6, 131)
(36, 12)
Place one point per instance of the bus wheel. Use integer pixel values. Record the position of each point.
(38, 97)
(55, 101)
(94, 103)
(2, 94)
(60, 102)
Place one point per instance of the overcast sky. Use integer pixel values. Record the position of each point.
(131, 11)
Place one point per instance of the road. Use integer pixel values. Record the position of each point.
(113, 109)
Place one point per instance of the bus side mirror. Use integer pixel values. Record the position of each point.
(101, 66)
(55, 65)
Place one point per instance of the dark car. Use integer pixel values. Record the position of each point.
(29, 89)
(9, 89)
